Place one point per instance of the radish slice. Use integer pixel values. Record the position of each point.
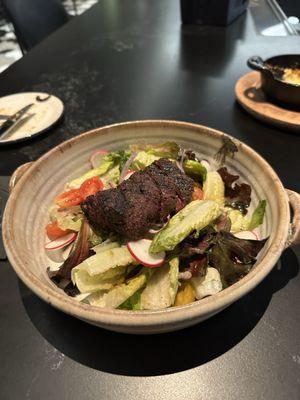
(140, 251)
(67, 251)
(128, 174)
(96, 157)
(248, 235)
(126, 166)
(61, 242)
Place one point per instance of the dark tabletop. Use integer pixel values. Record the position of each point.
(126, 60)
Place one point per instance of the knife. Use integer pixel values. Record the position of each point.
(11, 121)
(17, 125)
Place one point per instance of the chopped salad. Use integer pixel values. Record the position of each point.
(153, 226)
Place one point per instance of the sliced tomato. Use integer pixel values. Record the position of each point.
(197, 193)
(70, 198)
(54, 231)
(90, 186)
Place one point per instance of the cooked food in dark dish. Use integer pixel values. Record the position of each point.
(152, 227)
(146, 198)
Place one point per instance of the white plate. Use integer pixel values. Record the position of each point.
(47, 113)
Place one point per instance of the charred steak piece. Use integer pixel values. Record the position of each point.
(147, 197)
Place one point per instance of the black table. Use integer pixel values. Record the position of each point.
(125, 60)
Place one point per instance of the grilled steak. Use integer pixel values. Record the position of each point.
(147, 197)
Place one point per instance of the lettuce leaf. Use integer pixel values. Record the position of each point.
(101, 170)
(173, 275)
(102, 270)
(194, 216)
(258, 215)
(133, 302)
(143, 159)
(165, 150)
(237, 196)
(213, 188)
(106, 245)
(161, 288)
(233, 257)
(195, 169)
(239, 222)
(66, 219)
(118, 158)
(120, 293)
(112, 159)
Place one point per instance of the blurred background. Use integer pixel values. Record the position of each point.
(38, 18)
(9, 48)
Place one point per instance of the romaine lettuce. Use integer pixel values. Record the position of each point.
(194, 216)
(101, 270)
(161, 288)
(258, 215)
(213, 188)
(120, 293)
(195, 169)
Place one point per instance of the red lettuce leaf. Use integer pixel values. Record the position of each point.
(237, 195)
(62, 277)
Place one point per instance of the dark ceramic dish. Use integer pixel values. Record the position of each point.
(278, 91)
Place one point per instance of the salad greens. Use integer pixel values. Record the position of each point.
(195, 169)
(258, 215)
(213, 188)
(195, 216)
(102, 270)
(191, 254)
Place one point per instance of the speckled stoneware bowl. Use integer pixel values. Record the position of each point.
(26, 216)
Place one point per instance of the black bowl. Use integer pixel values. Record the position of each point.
(278, 91)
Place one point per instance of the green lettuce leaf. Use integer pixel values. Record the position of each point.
(67, 219)
(106, 245)
(258, 215)
(165, 150)
(133, 302)
(161, 288)
(173, 274)
(143, 160)
(118, 158)
(194, 216)
(102, 270)
(120, 293)
(112, 159)
(101, 170)
(239, 222)
(195, 169)
(213, 188)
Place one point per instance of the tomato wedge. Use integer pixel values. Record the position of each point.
(74, 197)
(68, 199)
(90, 187)
(54, 231)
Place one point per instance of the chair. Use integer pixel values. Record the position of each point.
(33, 20)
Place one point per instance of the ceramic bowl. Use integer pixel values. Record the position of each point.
(25, 217)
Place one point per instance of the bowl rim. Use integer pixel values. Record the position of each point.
(122, 318)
